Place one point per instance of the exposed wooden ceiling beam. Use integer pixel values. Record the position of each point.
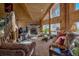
(47, 11)
(25, 9)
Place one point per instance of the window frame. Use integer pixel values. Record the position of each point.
(76, 6)
(57, 8)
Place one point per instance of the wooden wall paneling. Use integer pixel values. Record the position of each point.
(67, 17)
(74, 15)
(62, 15)
(2, 13)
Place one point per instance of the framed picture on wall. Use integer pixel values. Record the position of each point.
(8, 7)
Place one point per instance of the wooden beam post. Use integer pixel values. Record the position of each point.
(49, 23)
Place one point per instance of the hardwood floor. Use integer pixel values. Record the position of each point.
(42, 48)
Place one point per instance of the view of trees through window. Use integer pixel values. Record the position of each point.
(46, 29)
(55, 28)
(77, 26)
(54, 12)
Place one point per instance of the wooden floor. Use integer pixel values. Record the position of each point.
(42, 48)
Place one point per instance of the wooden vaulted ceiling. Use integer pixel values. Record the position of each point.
(34, 10)
(30, 12)
(37, 10)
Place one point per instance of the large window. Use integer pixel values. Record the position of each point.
(46, 29)
(55, 10)
(55, 28)
(77, 26)
(2, 24)
(46, 26)
(77, 6)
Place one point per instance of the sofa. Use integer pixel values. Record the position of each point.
(14, 49)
